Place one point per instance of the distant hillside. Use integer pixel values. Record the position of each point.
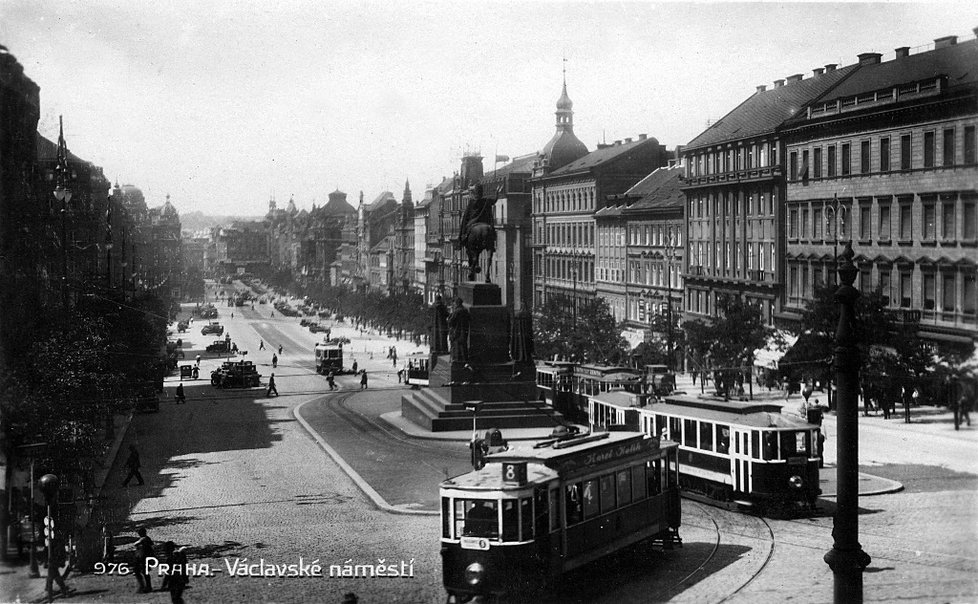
(196, 221)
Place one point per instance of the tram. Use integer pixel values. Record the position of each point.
(534, 513)
(737, 454)
(418, 366)
(554, 380)
(329, 357)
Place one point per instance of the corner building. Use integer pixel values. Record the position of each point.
(888, 159)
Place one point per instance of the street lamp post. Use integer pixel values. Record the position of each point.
(838, 213)
(847, 558)
(49, 486)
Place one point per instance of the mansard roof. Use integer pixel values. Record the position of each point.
(604, 154)
(763, 111)
(658, 190)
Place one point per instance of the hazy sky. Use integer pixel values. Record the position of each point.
(224, 103)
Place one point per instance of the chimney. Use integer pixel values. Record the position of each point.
(830, 67)
(818, 71)
(869, 58)
(778, 83)
(903, 51)
(794, 78)
(945, 42)
(642, 137)
(761, 88)
(618, 142)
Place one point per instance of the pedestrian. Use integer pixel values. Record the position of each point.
(363, 380)
(261, 344)
(331, 380)
(196, 372)
(354, 367)
(56, 559)
(181, 399)
(821, 449)
(232, 315)
(132, 462)
(956, 405)
(280, 349)
(144, 550)
(966, 409)
(271, 386)
(274, 360)
(176, 580)
(906, 405)
(198, 359)
(400, 375)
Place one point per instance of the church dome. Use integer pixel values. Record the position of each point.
(563, 148)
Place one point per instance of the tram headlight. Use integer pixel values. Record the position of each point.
(474, 574)
(796, 482)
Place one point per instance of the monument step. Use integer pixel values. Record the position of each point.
(502, 422)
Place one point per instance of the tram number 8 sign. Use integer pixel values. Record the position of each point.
(514, 472)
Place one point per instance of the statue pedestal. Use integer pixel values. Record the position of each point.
(506, 387)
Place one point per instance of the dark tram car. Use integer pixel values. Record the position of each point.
(531, 514)
(736, 453)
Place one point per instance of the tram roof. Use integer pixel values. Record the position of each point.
(756, 419)
(725, 406)
(490, 478)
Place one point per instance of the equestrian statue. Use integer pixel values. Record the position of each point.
(477, 232)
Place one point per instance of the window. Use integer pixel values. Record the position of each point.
(804, 164)
(817, 224)
(906, 221)
(969, 292)
(948, 154)
(689, 432)
(722, 438)
(969, 144)
(793, 223)
(864, 157)
(968, 219)
(817, 167)
(624, 487)
(638, 483)
(675, 429)
(591, 506)
(905, 163)
(884, 211)
(930, 290)
(846, 159)
(511, 520)
(804, 221)
(885, 154)
(573, 504)
(706, 436)
(607, 484)
(930, 221)
(793, 166)
(864, 221)
(476, 518)
(947, 291)
(929, 149)
(906, 289)
(793, 282)
(947, 219)
(885, 284)
(831, 166)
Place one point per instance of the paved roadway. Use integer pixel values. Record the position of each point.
(233, 475)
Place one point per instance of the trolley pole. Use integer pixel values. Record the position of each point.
(847, 558)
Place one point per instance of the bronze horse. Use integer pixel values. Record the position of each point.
(481, 238)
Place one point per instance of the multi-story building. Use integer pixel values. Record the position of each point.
(735, 190)
(163, 253)
(403, 226)
(243, 247)
(374, 223)
(648, 218)
(888, 158)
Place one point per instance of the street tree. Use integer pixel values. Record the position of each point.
(737, 331)
(594, 337)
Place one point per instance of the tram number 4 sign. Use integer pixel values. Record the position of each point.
(479, 543)
(514, 472)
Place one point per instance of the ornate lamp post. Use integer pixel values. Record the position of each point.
(847, 558)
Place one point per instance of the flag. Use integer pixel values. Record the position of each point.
(502, 158)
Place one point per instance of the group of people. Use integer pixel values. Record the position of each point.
(176, 578)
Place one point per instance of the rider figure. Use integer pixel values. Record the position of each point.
(478, 210)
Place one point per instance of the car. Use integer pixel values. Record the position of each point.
(304, 322)
(212, 328)
(316, 328)
(182, 326)
(220, 346)
(236, 374)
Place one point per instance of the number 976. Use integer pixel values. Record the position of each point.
(112, 568)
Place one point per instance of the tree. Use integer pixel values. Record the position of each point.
(698, 339)
(737, 331)
(594, 337)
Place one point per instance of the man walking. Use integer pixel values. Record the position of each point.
(331, 380)
(56, 560)
(271, 386)
(280, 349)
(144, 550)
(363, 380)
(261, 344)
(133, 464)
(181, 399)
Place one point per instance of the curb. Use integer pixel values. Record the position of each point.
(463, 439)
(368, 490)
(890, 486)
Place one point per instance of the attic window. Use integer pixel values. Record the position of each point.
(849, 102)
(931, 85)
(908, 88)
(866, 98)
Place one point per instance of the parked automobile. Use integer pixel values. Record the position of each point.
(212, 327)
(220, 346)
(182, 326)
(316, 328)
(304, 322)
(236, 374)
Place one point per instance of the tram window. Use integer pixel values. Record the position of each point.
(446, 518)
(723, 438)
(660, 425)
(794, 443)
(590, 498)
(624, 487)
(607, 483)
(476, 518)
(689, 432)
(770, 445)
(655, 476)
(526, 519)
(638, 482)
(554, 510)
(755, 445)
(706, 436)
(511, 520)
(675, 429)
(573, 504)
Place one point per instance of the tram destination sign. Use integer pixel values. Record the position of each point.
(606, 454)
